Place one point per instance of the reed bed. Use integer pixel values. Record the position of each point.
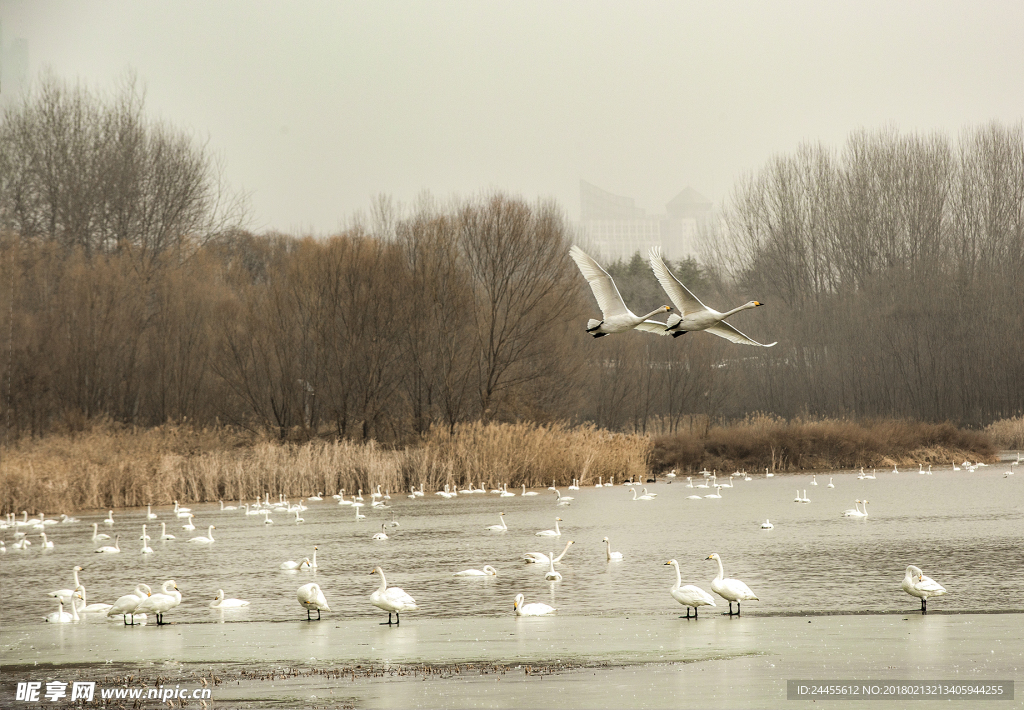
(1007, 433)
(112, 468)
(765, 441)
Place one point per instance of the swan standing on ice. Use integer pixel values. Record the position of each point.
(487, 571)
(690, 595)
(499, 528)
(616, 318)
(221, 603)
(161, 602)
(694, 315)
(530, 609)
(917, 584)
(552, 575)
(732, 590)
(539, 558)
(551, 533)
(111, 549)
(125, 606)
(391, 599)
(311, 597)
(207, 540)
(608, 551)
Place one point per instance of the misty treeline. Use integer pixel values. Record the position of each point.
(133, 293)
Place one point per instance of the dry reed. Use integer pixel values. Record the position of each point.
(1007, 433)
(111, 467)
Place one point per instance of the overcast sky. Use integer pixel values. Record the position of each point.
(316, 107)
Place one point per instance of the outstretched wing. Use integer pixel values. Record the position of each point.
(724, 330)
(607, 295)
(685, 301)
(653, 326)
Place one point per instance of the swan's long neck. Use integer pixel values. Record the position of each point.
(383, 582)
(314, 557)
(634, 493)
(608, 548)
(655, 312)
(564, 551)
(74, 609)
(209, 533)
(679, 577)
(737, 309)
(557, 531)
(77, 583)
(551, 556)
(721, 569)
(503, 526)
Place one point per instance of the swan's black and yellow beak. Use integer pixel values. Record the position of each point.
(758, 303)
(667, 308)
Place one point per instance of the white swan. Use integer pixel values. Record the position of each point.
(150, 515)
(695, 497)
(552, 575)
(854, 512)
(530, 609)
(689, 595)
(561, 497)
(917, 584)
(499, 528)
(47, 544)
(551, 533)
(110, 518)
(798, 499)
(62, 617)
(391, 599)
(125, 606)
(694, 315)
(146, 549)
(616, 317)
(235, 507)
(161, 602)
(805, 498)
(767, 474)
(830, 484)
(180, 511)
(111, 549)
(716, 494)
(381, 535)
(732, 590)
(487, 571)
(66, 594)
(539, 558)
(292, 565)
(189, 525)
(359, 516)
(608, 551)
(766, 525)
(207, 540)
(311, 597)
(645, 496)
(689, 482)
(86, 607)
(814, 480)
(221, 603)
(528, 493)
(164, 535)
(97, 535)
(505, 493)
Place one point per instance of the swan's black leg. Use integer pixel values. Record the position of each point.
(124, 618)
(398, 619)
(388, 621)
(924, 605)
(737, 608)
(318, 614)
(694, 612)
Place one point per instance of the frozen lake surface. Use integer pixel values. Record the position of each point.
(828, 586)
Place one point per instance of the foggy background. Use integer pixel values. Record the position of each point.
(316, 107)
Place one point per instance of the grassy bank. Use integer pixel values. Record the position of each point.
(112, 467)
(762, 441)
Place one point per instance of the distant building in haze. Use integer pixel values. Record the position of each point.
(13, 68)
(616, 228)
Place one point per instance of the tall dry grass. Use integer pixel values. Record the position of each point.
(764, 441)
(109, 467)
(1007, 433)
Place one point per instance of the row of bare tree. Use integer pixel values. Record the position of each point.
(892, 271)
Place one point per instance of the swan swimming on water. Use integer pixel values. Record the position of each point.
(732, 590)
(552, 575)
(221, 603)
(551, 533)
(608, 551)
(487, 571)
(499, 528)
(694, 315)
(111, 549)
(616, 317)
(535, 609)
(917, 584)
(766, 525)
(540, 558)
(689, 595)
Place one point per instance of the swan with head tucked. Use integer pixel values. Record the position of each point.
(608, 551)
(125, 606)
(221, 603)
(552, 575)
(540, 558)
(391, 599)
(616, 317)
(487, 571)
(204, 540)
(499, 528)
(917, 584)
(551, 533)
(311, 597)
(694, 315)
(689, 595)
(732, 590)
(161, 602)
(535, 609)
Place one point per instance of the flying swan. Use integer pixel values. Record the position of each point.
(616, 317)
(694, 315)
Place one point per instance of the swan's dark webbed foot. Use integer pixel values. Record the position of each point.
(598, 335)
(388, 622)
(677, 333)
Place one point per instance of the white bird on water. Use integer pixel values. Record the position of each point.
(111, 549)
(487, 571)
(917, 584)
(535, 609)
(689, 595)
(694, 315)
(616, 318)
(732, 590)
(766, 525)
(540, 558)
(205, 540)
(551, 533)
(499, 528)
(221, 603)
(552, 575)
(608, 551)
